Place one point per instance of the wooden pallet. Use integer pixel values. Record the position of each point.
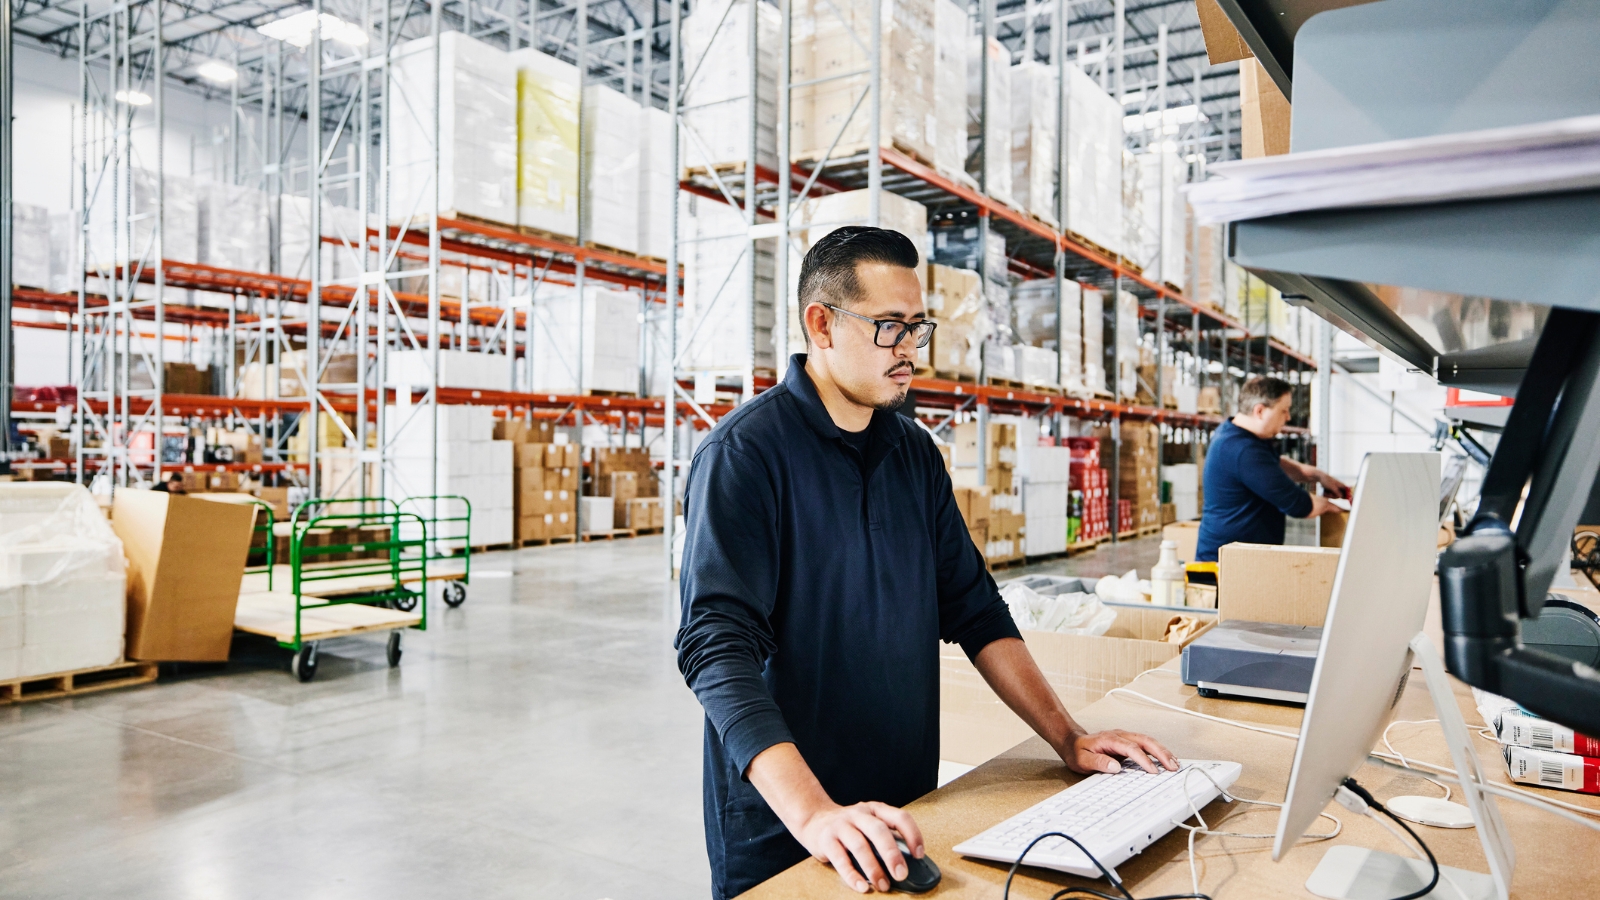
(78, 681)
(1010, 384)
(1007, 562)
(1084, 546)
(640, 257)
(1132, 534)
(485, 548)
(611, 535)
(848, 151)
(641, 532)
(952, 376)
(558, 539)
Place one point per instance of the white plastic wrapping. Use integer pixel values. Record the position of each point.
(30, 246)
(133, 237)
(715, 332)
(62, 582)
(610, 343)
(830, 39)
(833, 211)
(477, 129)
(457, 369)
(470, 465)
(1127, 345)
(294, 247)
(1033, 138)
(234, 230)
(1161, 263)
(547, 142)
(717, 123)
(612, 123)
(996, 157)
(1076, 613)
(1094, 347)
(1070, 343)
(950, 27)
(655, 183)
(1094, 162)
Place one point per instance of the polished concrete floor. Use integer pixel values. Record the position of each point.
(536, 742)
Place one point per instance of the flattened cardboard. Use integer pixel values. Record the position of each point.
(1267, 583)
(975, 725)
(185, 562)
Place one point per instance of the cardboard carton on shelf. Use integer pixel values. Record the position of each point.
(1269, 583)
(1186, 535)
(975, 725)
(186, 559)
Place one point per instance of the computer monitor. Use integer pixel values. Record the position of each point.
(1380, 597)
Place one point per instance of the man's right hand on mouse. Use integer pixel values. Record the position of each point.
(832, 833)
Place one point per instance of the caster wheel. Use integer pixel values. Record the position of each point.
(404, 604)
(394, 649)
(304, 663)
(455, 594)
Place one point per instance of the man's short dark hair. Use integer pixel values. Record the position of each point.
(828, 274)
(1262, 389)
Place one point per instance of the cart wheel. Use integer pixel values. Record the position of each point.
(304, 663)
(455, 594)
(394, 649)
(405, 603)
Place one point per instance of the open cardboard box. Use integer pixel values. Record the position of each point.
(1269, 583)
(186, 559)
(975, 726)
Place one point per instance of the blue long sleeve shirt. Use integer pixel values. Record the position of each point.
(817, 582)
(1247, 493)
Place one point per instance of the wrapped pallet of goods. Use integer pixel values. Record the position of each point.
(995, 174)
(1138, 474)
(62, 582)
(132, 202)
(1127, 345)
(477, 115)
(1070, 341)
(546, 487)
(547, 142)
(30, 246)
(612, 123)
(830, 40)
(1205, 282)
(950, 26)
(955, 302)
(471, 464)
(1088, 498)
(627, 476)
(609, 343)
(656, 184)
(1094, 139)
(1094, 347)
(234, 232)
(1046, 473)
(1161, 216)
(341, 229)
(1033, 117)
(833, 211)
(719, 311)
(716, 121)
(456, 368)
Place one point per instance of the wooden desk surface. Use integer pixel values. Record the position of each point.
(1555, 858)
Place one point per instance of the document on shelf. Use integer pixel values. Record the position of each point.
(1544, 157)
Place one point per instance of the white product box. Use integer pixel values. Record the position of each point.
(598, 514)
(610, 341)
(1033, 138)
(716, 43)
(1045, 535)
(612, 123)
(1094, 139)
(718, 310)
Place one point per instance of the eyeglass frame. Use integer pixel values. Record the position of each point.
(878, 327)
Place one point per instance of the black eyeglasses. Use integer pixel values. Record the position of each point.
(890, 332)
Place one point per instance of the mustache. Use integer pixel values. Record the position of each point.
(901, 366)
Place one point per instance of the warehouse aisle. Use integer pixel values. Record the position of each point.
(535, 743)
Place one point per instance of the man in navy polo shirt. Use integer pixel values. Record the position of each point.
(824, 559)
(1250, 489)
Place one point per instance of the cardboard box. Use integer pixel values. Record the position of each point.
(1267, 583)
(1223, 43)
(975, 726)
(1264, 113)
(1330, 530)
(530, 456)
(186, 560)
(1186, 535)
(531, 528)
(621, 486)
(510, 430)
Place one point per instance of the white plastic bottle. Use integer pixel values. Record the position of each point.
(1167, 578)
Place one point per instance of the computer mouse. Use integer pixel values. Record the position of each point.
(922, 875)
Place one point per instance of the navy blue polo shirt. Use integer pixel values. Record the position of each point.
(1247, 493)
(817, 583)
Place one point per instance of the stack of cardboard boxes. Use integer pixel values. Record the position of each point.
(545, 480)
(973, 502)
(1007, 529)
(1088, 514)
(627, 477)
(955, 302)
(1139, 475)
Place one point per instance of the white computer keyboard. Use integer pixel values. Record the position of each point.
(1114, 816)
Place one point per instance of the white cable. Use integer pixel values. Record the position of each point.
(1555, 807)
(1417, 852)
(1203, 828)
(1201, 715)
(1402, 755)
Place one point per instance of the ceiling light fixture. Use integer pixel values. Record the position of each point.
(218, 71)
(133, 98)
(297, 29)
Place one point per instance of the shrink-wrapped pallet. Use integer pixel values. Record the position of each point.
(611, 125)
(1094, 347)
(716, 121)
(950, 27)
(127, 233)
(1070, 343)
(1127, 345)
(955, 302)
(1033, 138)
(655, 183)
(234, 231)
(996, 155)
(1161, 211)
(610, 341)
(1094, 162)
(831, 39)
(30, 246)
(477, 91)
(832, 211)
(341, 258)
(719, 312)
(547, 142)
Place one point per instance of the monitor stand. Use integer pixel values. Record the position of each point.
(1356, 873)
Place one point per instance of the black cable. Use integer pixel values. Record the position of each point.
(1372, 801)
(1064, 892)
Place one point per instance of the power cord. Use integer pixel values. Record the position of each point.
(1354, 797)
(1122, 892)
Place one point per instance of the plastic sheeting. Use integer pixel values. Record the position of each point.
(830, 40)
(477, 91)
(1074, 613)
(30, 246)
(1094, 162)
(721, 318)
(610, 344)
(135, 214)
(655, 183)
(612, 123)
(717, 118)
(996, 162)
(1033, 138)
(547, 142)
(1094, 347)
(1162, 250)
(234, 230)
(62, 582)
(950, 26)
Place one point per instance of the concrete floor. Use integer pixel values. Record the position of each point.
(536, 742)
